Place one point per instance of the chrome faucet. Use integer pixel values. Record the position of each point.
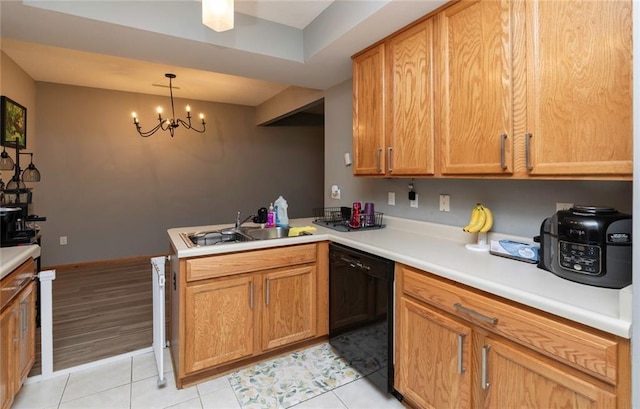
(240, 223)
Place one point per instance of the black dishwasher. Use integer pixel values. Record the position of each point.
(361, 312)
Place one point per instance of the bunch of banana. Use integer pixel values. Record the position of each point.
(481, 220)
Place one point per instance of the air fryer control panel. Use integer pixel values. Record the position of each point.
(580, 258)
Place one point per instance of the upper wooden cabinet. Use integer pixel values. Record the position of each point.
(521, 89)
(476, 92)
(393, 113)
(409, 102)
(368, 113)
(579, 119)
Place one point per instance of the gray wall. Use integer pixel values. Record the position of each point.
(519, 206)
(114, 194)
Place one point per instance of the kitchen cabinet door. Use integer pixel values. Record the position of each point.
(26, 333)
(433, 362)
(410, 110)
(476, 91)
(579, 87)
(219, 322)
(368, 112)
(289, 310)
(515, 378)
(7, 356)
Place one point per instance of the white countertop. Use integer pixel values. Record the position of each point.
(12, 257)
(440, 250)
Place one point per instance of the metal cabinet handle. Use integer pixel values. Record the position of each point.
(251, 294)
(268, 291)
(461, 367)
(527, 150)
(485, 354)
(503, 141)
(389, 150)
(27, 316)
(378, 158)
(468, 311)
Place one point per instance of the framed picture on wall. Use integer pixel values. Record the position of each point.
(13, 123)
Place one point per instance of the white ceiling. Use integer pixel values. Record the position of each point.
(130, 45)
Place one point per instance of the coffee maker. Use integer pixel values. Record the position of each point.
(16, 227)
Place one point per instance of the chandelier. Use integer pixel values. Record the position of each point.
(168, 124)
(217, 14)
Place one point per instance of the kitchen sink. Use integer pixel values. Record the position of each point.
(232, 235)
(215, 237)
(266, 234)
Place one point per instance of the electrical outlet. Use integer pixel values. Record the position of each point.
(63, 240)
(563, 206)
(392, 199)
(444, 203)
(335, 192)
(414, 203)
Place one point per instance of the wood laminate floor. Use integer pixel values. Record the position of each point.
(100, 310)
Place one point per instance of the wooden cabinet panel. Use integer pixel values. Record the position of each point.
(368, 112)
(410, 111)
(249, 261)
(26, 333)
(579, 87)
(433, 358)
(582, 349)
(219, 322)
(547, 386)
(7, 357)
(289, 312)
(476, 95)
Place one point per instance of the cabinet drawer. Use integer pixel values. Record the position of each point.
(12, 284)
(237, 263)
(580, 348)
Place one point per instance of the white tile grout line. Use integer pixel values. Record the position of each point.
(89, 365)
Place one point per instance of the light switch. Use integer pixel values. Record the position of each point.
(392, 199)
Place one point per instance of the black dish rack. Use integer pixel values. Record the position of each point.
(339, 218)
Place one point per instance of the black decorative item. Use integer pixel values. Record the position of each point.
(13, 123)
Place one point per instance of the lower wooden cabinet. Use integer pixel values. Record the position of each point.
(515, 378)
(17, 330)
(432, 357)
(459, 348)
(233, 308)
(220, 321)
(7, 347)
(289, 309)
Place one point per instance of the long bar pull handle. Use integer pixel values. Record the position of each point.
(503, 141)
(251, 294)
(267, 295)
(461, 367)
(378, 158)
(468, 311)
(485, 355)
(389, 150)
(527, 150)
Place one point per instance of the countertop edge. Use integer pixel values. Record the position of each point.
(13, 257)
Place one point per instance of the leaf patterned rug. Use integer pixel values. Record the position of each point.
(288, 380)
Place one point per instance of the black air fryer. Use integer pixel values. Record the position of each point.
(589, 245)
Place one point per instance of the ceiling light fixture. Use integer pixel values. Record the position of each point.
(168, 124)
(30, 174)
(217, 14)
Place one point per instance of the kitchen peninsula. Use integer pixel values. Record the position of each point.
(580, 330)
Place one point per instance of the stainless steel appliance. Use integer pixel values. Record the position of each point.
(361, 312)
(588, 244)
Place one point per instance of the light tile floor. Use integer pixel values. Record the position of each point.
(131, 383)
